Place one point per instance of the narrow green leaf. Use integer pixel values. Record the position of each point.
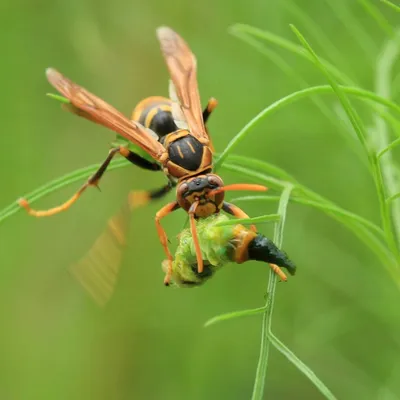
(293, 74)
(310, 374)
(59, 183)
(316, 30)
(371, 241)
(360, 131)
(284, 101)
(392, 5)
(352, 115)
(351, 23)
(379, 18)
(57, 97)
(325, 207)
(257, 165)
(233, 315)
(394, 197)
(254, 220)
(286, 44)
(390, 147)
(381, 133)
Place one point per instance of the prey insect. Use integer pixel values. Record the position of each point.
(172, 132)
(221, 245)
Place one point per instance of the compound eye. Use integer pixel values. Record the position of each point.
(183, 188)
(214, 180)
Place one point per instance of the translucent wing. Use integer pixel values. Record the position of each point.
(176, 108)
(98, 270)
(183, 71)
(89, 106)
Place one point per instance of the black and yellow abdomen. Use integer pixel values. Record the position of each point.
(186, 155)
(155, 113)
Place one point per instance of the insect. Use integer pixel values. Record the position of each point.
(172, 132)
(220, 245)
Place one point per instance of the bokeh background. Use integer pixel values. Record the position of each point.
(339, 314)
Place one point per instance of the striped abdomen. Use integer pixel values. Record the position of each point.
(155, 113)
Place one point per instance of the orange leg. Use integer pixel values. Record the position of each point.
(193, 230)
(237, 212)
(167, 209)
(278, 272)
(211, 105)
(92, 181)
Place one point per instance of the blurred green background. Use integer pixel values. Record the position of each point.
(339, 314)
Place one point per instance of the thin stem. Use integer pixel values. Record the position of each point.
(389, 147)
(319, 205)
(234, 315)
(308, 372)
(284, 101)
(286, 44)
(390, 4)
(379, 18)
(371, 240)
(254, 220)
(361, 134)
(259, 383)
(394, 197)
(58, 183)
(383, 84)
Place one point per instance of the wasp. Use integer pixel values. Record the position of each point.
(171, 131)
(220, 245)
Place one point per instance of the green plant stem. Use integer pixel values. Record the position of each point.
(356, 31)
(234, 315)
(254, 220)
(259, 383)
(360, 131)
(389, 147)
(394, 197)
(285, 44)
(379, 18)
(365, 235)
(238, 138)
(287, 68)
(321, 206)
(383, 84)
(58, 183)
(390, 4)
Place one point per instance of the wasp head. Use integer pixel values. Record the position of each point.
(203, 189)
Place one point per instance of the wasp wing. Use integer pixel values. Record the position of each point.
(98, 270)
(176, 109)
(91, 107)
(182, 67)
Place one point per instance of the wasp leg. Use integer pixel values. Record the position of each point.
(211, 105)
(93, 181)
(142, 197)
(237, 212)
(193, 230)
(277, 270)
(167, 209)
